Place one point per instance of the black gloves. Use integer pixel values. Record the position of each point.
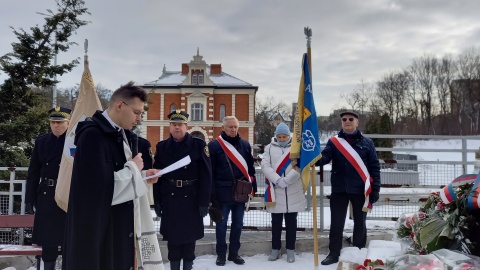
(29, 209)
(203, 211)
(158, 210)
(215, 211)
(254, 185)
(373, 197)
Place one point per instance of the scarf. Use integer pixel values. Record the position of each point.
(147, 248)
(280, 168)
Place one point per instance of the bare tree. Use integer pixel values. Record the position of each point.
(425, 69)
(391, 95)
(445, 75)
(264, 124)
(465, 90)
(360, 96)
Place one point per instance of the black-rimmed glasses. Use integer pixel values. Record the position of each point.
(349, 119)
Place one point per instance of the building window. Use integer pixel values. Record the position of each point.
(173, 107)
(194, 77)
(197, 112)
(197, 77)
(222, 112)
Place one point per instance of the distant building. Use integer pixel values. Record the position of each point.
(206, 93)
(277, 117)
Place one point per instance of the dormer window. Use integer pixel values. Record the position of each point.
(194, 78)
(197, 77)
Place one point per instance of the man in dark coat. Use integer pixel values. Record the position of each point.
(222, 186)
(145, 148)
(348, 186)
(49, 224)
(182, 196)
(100, 233)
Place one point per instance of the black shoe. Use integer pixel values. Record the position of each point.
(331, 259)
(236, 259)
(220, 260)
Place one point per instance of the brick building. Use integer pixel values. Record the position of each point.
(206, 93)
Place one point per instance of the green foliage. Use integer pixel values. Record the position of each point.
(29, 70)
(438, 225)
(381, 125)
(430, 232)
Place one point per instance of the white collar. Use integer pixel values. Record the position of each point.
(105, 114)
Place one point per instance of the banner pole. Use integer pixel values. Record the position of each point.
(314, 208)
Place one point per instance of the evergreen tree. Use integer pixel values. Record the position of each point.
(29, 68)
(380, 125)
(385, 127)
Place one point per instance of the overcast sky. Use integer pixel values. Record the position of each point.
(259, 41)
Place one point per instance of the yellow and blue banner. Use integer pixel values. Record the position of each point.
(305, 149)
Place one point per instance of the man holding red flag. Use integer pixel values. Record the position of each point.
(230, 154)
(355, 178)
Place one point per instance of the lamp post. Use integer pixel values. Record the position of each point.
(54, 88)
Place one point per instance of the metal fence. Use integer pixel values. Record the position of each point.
(406, 182)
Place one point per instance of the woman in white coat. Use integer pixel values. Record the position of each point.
(284, 196)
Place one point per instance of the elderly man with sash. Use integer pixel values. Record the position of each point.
(355, 178)
(182, 195)
(231, 158)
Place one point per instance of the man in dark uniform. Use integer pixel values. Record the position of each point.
(145, 148)
(182, 196)
(49, 225)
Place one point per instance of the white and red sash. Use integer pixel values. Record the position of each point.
(234, 156)
(280, 168)
(352, 156)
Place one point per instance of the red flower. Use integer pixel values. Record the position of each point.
(366, 262)
(360, 267)
(440, 205)
(421, 215)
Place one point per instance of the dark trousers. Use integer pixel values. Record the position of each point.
(290, 228)
(338, 212)
(177, 252)
(238, 210)
(49, 254)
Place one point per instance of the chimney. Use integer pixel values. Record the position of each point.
(184, 68)
(216, 69)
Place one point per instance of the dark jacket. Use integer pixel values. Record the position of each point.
(99, 236)
(145, 148)
(222, 176)
(181, 221)
(49, 225)
(344, 177)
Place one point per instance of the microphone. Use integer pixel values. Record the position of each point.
(134, 144)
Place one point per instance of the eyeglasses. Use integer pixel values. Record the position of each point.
(349, 119)
(137, 112)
